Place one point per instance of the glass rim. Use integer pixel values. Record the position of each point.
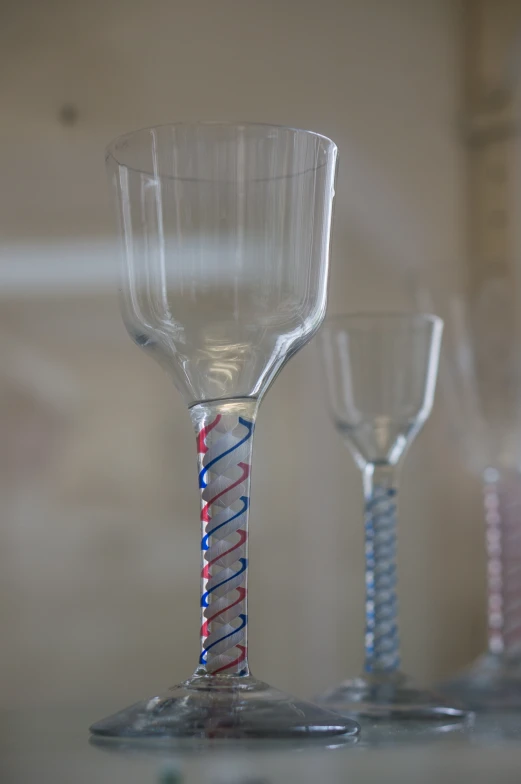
(330, 146)
(382, 316)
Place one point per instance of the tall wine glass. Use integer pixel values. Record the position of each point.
(381, 371)
(226, 242)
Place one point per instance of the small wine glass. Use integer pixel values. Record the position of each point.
(226, 244)
(381, 371)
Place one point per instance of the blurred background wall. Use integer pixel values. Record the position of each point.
(99, 524)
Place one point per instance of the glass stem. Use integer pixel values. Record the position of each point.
(382, 644)
(502, 499)
(224, 431)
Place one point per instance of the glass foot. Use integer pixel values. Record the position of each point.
(224, 707)
(390, 696)
(493, 683)
(382, 733)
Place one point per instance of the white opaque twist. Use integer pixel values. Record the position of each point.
(225, 456)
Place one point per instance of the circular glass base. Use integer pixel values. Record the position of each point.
(152, 746)
(493, 683)
(390, 696)
(224, 707)
(383, 733)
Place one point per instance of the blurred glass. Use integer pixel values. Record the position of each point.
(381, 374)
(482, 394)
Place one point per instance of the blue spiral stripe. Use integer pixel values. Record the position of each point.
(206, 594)
(244, 621)
(249, 426)
(245, 503)
(224, 645)
(381, 635)
(377, 499)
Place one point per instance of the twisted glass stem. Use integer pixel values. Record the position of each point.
(224, 447)
(382, 644)
(502, 499)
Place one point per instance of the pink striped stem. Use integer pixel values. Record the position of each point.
(502, 499)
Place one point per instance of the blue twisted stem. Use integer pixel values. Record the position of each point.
(381, 632)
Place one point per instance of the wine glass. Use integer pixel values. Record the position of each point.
(493, 681)
(226, 242)
(381, 371)
(483, 366)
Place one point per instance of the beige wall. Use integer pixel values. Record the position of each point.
(99, 534)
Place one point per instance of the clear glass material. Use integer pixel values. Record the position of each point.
(226, 232)
(481, 390)
(226, 241)
(493, 681)
(381, 372)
